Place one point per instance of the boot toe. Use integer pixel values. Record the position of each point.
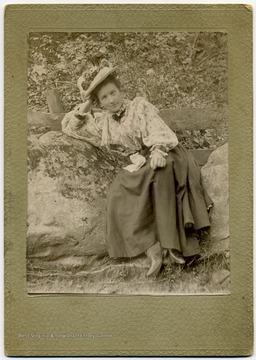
(177, 256)
(154, 269)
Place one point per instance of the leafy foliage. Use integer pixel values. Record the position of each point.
(171, 69)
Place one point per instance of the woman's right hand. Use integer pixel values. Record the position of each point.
(86, 106)
(82, 94)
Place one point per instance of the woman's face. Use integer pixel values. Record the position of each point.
(110, 97)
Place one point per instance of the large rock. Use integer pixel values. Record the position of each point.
(67, 186)
(215, 179)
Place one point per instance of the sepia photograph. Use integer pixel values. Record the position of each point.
(128, 176)
(128, 180)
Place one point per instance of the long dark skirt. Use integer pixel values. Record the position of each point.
(157, 205)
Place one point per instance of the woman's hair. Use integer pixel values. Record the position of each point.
(110, 79)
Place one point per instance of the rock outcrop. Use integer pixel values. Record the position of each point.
(67, 186)
(215, 179)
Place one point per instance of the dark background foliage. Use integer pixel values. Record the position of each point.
(171, 69)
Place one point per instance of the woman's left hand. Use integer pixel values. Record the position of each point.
(157, 160)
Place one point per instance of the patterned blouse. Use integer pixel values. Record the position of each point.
(138, 125)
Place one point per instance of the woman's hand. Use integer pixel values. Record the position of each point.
(82, 94)
(86, 106)
(157, 160)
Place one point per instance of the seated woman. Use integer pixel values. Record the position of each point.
(158, 202)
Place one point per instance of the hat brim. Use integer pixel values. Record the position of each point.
(96, 83)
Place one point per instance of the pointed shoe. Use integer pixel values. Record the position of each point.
(177, 256)
(154, 254)
(154, 269)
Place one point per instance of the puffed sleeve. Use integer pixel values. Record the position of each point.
(154, 130)
(83, 126)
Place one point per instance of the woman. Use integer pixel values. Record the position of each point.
(157, 202)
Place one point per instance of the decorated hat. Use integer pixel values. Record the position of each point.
(101, 76)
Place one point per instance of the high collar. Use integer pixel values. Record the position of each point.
(117, 116)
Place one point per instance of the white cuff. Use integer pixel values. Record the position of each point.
(164, 154)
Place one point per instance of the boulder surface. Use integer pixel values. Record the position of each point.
(215, 180)
(67, 185)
